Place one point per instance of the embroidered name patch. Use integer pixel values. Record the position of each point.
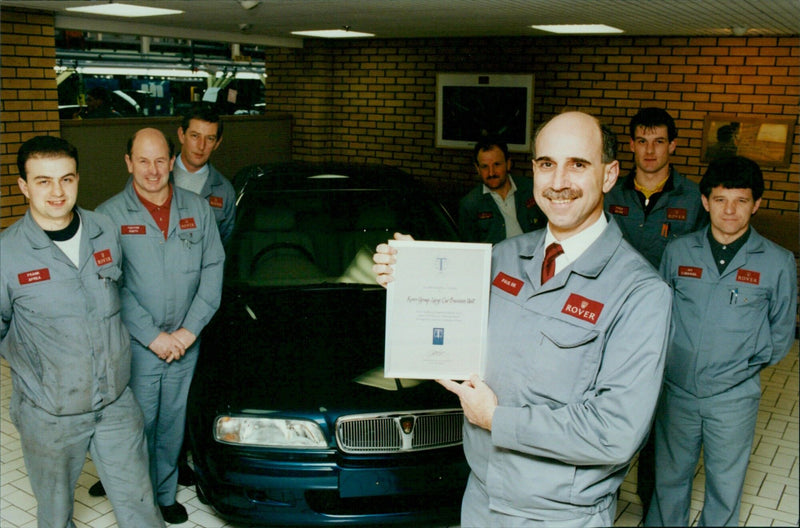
(215, 201)
(618, 210)
(485, 215)
(676, 213)
(103, 257)
(690, 271)
(29, 277)
(582, 308)
(750, 277)
(134, 230)
(187, 223)
(507, 283)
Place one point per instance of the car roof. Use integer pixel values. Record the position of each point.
(296, 175)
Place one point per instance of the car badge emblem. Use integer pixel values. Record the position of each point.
(407, 424)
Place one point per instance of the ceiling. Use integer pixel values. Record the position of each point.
(271, 22)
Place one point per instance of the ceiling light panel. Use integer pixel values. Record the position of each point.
(124, 10)
(578, 29)
(332, 33)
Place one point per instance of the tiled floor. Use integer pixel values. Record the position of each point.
(771, 494)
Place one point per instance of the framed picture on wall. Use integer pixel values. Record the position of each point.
(767, 141)
(474, 105)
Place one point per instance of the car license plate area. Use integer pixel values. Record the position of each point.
(398, 481)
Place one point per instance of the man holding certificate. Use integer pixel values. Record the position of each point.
(577, 332)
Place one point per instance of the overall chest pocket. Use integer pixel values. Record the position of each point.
(190, 252)
(565, 361)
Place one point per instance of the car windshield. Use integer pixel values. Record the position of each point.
(287, 238)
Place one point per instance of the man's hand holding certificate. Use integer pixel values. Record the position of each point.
(437, 310)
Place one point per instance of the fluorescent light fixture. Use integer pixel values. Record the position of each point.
(580, 29)
(332, 33)
(131, 72)
(241, 75)
(157, 72)
(124, 10)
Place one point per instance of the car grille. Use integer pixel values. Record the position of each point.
(393, 432)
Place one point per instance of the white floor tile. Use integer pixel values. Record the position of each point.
(770, 495)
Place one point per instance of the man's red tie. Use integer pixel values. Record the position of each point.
(549, 265)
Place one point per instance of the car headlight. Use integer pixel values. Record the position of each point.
(270, 432)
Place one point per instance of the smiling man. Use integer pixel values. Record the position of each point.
(69, 352)
(578, 327)
(173, 261)
(200, 134)
(734, 313)
(500, 207)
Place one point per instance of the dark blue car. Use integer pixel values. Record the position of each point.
(290, 418)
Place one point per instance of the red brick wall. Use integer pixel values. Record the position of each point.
(28, 98)
(379, 102)
(374, 100)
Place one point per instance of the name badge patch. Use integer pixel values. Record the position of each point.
(676, 213)
(188, 223)
(750, 277)
(582, 308)
(102, 258)
(485, 215)
(29, 277)
(134, 230)
(690, 271)
(508, 283)
(215, 201)
(618, 210)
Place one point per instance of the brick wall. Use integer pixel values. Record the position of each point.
(374, 100)
(28, 96)
(381, 95)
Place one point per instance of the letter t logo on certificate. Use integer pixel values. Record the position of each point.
(437, 310)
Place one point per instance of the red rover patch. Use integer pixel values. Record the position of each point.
(750, 277)
(103, 257)
(582, 308)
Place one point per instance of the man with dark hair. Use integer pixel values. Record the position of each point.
(733, 314)
(173, 261)
(652, 205)
(578, 328)
(200, 134)
(69, 352)
(500, 207)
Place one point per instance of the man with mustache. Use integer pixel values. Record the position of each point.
(578, 328)
(500, 207)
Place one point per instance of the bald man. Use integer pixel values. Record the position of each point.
(172, 264)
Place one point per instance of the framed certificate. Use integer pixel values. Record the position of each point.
(437, 310)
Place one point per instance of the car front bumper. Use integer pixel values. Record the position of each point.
(314, 493)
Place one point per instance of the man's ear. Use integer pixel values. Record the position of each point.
(23, 186)
(610, 176)
(756, 206)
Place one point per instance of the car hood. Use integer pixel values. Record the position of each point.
(305, 350)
